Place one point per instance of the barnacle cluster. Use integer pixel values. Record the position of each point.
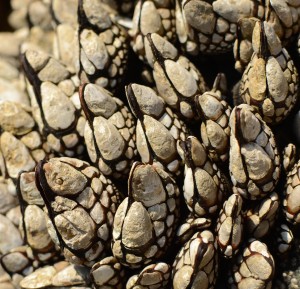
(124, 165)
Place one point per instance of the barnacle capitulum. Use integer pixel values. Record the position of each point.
(53, 92)
(151, 277)
(81, 204)
(34, 220)
(196, 264)
(152, 16)
(260, 219)
(154, 115)
(210, 26)
(146, 221)
(254, 162)
(21, 144)
(109, 132)
(242, 49)
(291, 202)
(103, 46)
(253, 267)
(108, 273)
(190, 226)
(58, 275)
(270, 81)
(289, 157)
(204, 188)
(284, 240)
(177, 79)
(214, 112)
(230, 226)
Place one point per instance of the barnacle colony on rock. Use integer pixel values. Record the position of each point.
(126, 161)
